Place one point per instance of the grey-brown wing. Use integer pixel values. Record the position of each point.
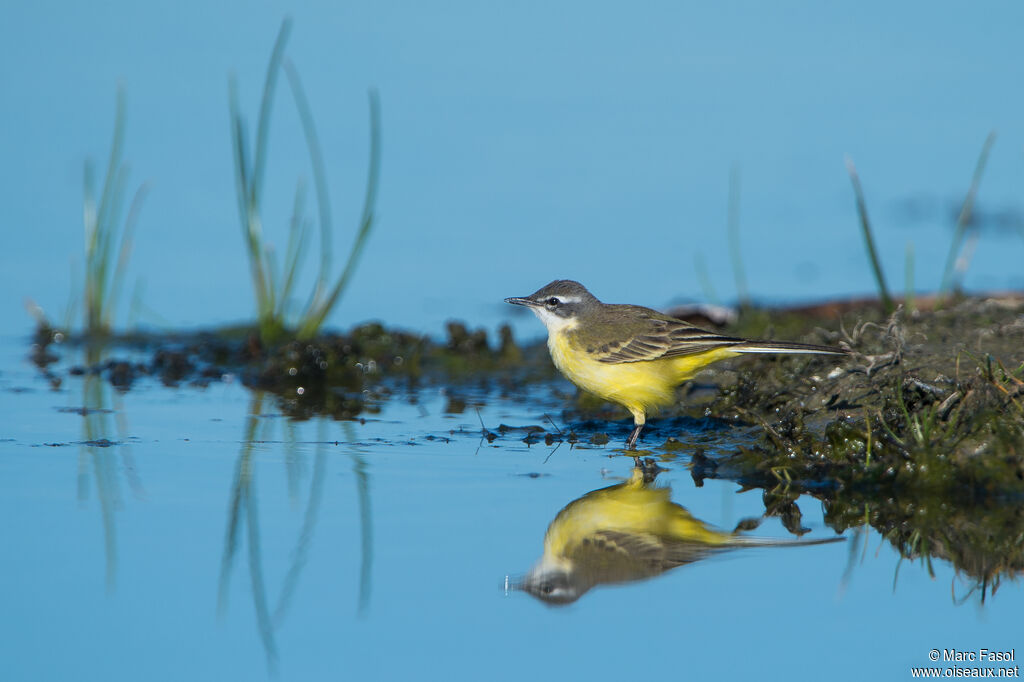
(614, 556)
(656, 336)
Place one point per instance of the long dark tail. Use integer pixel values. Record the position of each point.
(786, 347)
(744, 541)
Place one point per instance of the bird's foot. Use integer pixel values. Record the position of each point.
(648, 467)
(634, 436)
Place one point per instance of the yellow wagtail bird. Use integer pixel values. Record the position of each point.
(631, 355)
(626, 532)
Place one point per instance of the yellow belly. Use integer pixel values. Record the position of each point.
(637, 386)
(633, 508)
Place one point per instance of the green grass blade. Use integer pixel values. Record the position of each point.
(239, 487)
(296, 248)
(316, 316)
(908, 273)
(319, 172)
(89, 206)
(964, 218)
(869, 242)
(89, 213)
(263, 124)
(248, 211)
(912, 424)
(700, 267)
(305, 539)
(239, 155)
(365, 531)
(734, 236)
(270, 267)
(259, 590)
(113, 162)
(104, 261)
(127, 241)
(235, 505)
(98, 267)
(107, 245)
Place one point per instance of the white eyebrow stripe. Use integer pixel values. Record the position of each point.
(569, 299)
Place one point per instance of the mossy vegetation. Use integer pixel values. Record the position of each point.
(927, 400)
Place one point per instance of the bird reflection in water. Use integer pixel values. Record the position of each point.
(626, 532)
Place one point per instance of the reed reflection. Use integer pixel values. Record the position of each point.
(101, 452)
(243, 513)
(627, 532)
(983, 540)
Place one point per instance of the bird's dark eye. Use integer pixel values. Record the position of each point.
(553, 301)
(547, 588)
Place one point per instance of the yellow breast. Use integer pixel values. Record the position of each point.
(637, 386)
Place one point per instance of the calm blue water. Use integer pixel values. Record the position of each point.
(521, 144)
(381, 554)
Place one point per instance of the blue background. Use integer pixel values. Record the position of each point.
(522, 143)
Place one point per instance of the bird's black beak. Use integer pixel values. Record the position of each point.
(519, 300)
(514, 584)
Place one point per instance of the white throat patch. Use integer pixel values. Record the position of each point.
(554, 323)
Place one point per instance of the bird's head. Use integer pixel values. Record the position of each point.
(560, 304)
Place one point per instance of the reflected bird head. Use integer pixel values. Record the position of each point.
(552, 585)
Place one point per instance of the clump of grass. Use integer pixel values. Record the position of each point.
(273, 285)
(108, 241)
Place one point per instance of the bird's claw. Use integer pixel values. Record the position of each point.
(648, 467)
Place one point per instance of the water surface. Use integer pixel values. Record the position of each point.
(378, 549)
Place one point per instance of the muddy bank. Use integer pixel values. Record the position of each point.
(338, 374)
(929, 399)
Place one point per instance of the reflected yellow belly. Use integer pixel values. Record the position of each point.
(637, 386)
(634, 509)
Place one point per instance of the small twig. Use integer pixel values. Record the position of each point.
(552, 422)
(489, 435)
(948, 404)
(553, 451)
